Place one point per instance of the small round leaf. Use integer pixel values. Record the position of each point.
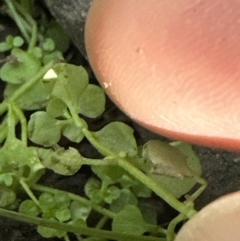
(118, 137)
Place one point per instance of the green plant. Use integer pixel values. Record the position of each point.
(59, 95)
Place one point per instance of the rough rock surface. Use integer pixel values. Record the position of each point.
(71, 15)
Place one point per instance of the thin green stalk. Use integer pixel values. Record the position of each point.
(24, 13)
(75, 197)
(98, 162)
(66, 238)
(28, 191)
(197, 193)
(157, 188)
(78, 122)
(102, 222)
(82, 230)
(3, 130)
(156, 229)
(17, 20)
(11, 123)
(23, 122)
(149, 182)
(102, 149)
(172, 225)
(30, 25)
(3, 107)
(33, 39)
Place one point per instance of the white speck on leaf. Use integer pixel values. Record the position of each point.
(51, 74)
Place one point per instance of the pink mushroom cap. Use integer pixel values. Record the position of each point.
(172, 66)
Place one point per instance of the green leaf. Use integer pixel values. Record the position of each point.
(48, 44)
(109, 174)
(149, 211)
(35, 98)
(5, 46)
(46, 201)
(56, 107)
(73, 132)
(92, 101)
(138, 188)
(61, 200)
(68, 83)
(43, 129)
(30, 208)
(118, 137)
(126, 198)
(37, 52)
(15, 157)
(92, 190)
(110, 194)
(129, 221)
(21, 69)
(78, 222)
(166, 159)
(64, 162)
(55, 32)
(79, 210)
(7, 196)
(18, 41)
(63, 214)
(9, 39)
(98, 193)
(7, 179)
(50, 232)
(56, 55)
(180, 186)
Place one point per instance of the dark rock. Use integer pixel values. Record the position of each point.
(71, 15)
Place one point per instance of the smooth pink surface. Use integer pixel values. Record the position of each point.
(173, 66)
(218, 221)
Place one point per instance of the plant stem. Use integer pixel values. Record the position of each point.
(23, 122)
(149, 182)
(102, 149)
(92, 232)
(98, 162)
(33, 39)
(11, 122)
(29, 192)
(25, 13)
(66, 238)
(17, 20)
(3, 130)
(101, 222)
(78, 122)
(172, 225)
(157, 188)
(203, 183)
